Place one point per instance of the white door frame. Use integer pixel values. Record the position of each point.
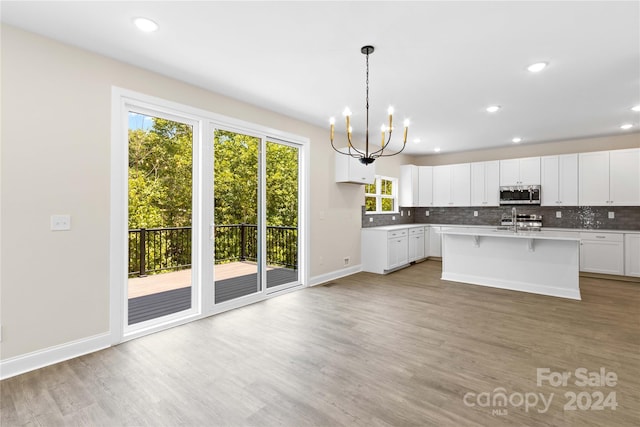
(122, 101)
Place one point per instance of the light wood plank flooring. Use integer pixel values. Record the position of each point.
(366, 350)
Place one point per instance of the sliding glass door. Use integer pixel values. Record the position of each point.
(256, 210)
(160, 209)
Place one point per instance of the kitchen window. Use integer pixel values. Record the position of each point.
(382, 195)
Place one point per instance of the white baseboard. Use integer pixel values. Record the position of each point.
(513, 285)
(327, 277)
(52, 355)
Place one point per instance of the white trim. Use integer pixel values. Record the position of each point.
(327, 277)
(52, 355)
(513, 285)
(122, 100)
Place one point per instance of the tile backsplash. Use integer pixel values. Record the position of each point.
(589, 217)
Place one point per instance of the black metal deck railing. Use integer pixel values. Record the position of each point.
(156, 250)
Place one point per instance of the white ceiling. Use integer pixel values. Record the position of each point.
(438, 63)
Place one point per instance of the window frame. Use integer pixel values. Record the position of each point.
(379, 196)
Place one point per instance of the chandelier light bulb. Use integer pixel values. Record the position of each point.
(332, 121)
(406, 123)
(346, 112)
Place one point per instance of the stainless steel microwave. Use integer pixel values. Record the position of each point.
(520, 195)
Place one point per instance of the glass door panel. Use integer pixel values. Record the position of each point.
(236, 225)
(282, 196)
(160, 182)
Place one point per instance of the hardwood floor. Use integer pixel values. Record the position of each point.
(367, 350)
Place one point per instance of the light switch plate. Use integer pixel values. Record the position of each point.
(393, 218)
(60, 222)
(612, 215)
(475, 213)
(401, 213)
(426, 213)
(370, 219)
(558, 214)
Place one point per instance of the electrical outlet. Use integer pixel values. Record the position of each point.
(321, 215)
(408, 213)
(370, 219)
(60, 222)
(393, 218)
(346, 260)
(612, 215)
(475, 213)
(426, 213)
(558, 214)
(401, 213)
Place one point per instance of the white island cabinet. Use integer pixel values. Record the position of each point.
(544, 262)
(385, 249)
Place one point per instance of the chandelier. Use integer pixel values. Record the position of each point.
(368, 156)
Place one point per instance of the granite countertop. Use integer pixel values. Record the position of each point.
(576, 230)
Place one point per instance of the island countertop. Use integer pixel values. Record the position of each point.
(488, 232)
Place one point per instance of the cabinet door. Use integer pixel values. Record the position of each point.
(425, 186)
(408, 184)
(605, 257)
(461, 185)
(510, 172)
(624, 177)
(427, 241)
(492, 183)
(530, 171)
(478, 184)
(632, 255)
(593, 181)
(442, 186)
(568, 180)
(435, 243)
(416, 247)
(351, 170)
(550, 181)
(397, 252)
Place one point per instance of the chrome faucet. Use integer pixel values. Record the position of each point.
(514, 216)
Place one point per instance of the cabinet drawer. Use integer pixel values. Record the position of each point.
(396, 233)
(608, 237)
(413, 231)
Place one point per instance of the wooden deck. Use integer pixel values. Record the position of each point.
(163, 294)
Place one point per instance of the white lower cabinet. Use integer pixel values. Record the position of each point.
(416, 243)
(397, 252)
(385, 250)
(602, 253)
(632, 255)
(435, 241)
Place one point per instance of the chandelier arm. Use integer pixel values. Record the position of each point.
(349, 152)
(384, 147)
(392, 154)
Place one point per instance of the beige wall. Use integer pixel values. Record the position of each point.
(56, 102)
(616, 142)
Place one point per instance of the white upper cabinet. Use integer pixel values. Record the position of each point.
(609, 178)
(351, 170)
(452, 185)
(520, 171)
(485, 182)
(624, 177)
(559, 175)
(425, 186)
(408, 186)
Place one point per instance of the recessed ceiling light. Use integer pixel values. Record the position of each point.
(145, 25)
(493, 108)
(636, 108)
(537, 67)
(626, 126)
(437, 149)
(516, 139)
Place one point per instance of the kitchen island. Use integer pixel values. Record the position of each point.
(540, 262)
